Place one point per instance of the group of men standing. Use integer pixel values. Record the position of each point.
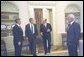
(31, 33)
(73, 35)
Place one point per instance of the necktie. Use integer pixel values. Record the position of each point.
(32, 28)
(68, 26)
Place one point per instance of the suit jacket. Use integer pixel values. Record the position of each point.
(43, 29)
(17, 32)
(28, 32)
(73, 33)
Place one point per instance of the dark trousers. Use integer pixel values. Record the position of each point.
(18, 48)
(47, 44)
(72, 49)
(32, 44)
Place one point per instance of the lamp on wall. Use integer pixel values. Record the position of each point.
(3, 26)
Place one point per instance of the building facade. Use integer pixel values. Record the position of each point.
(54, 11)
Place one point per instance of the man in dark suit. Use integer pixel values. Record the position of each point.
(45, 30)
(73, 35)
(31, 32)
(18, 36)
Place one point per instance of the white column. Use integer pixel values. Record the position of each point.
(23, 14)
(58, 23)
(46, 14)
(31, 11)
(81, 16)
(80, 47)
(32, 14)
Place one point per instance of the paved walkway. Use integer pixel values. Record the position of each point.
(54, 53)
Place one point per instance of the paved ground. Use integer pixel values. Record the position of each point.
(54, 53)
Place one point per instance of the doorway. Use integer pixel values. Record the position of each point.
(38, 16)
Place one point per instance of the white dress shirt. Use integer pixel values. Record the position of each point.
(31, 27)
(18, 25)
(45, 24)
(72, 22)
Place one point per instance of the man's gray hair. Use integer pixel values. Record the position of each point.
(71, 15)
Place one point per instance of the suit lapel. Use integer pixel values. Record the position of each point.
(29, 27)
(71, 25)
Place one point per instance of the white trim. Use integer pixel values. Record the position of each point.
(31, 9)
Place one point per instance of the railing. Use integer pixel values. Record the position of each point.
(3, 48)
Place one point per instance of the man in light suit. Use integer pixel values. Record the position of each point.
(45, 30)
(18, 37)
(73, 35)
(31, 33)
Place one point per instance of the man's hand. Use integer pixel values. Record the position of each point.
(41, 34)
(48, 30)
(19, 43)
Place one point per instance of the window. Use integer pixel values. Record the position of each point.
(72, 9)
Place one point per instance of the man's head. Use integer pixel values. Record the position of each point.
(44, 21)
(71, 18)
(18, 21)
(31, 20)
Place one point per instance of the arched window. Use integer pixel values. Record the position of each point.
(72, 9)
(9, 12)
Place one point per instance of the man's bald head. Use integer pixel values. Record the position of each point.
(71, 18)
